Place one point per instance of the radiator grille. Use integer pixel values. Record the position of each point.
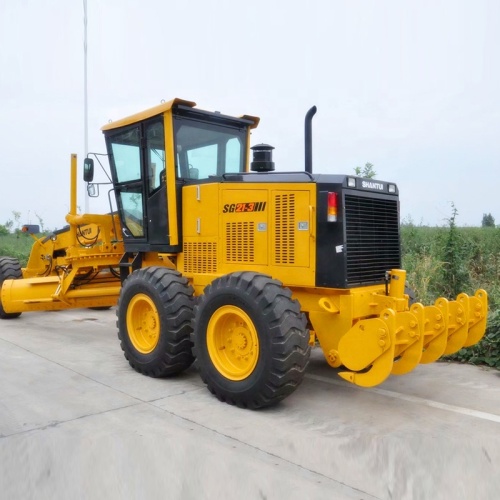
(200, 257)
(284, 243)
(372, 238)
(240, 242)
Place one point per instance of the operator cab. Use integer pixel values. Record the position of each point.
(154, 154)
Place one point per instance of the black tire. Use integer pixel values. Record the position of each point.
(172, 298)
(283, 339)
(10, 269)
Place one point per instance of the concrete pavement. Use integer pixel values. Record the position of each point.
(77, 422)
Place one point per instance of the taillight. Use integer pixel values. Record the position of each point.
(332, 207)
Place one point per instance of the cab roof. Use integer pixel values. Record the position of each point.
(160, 109)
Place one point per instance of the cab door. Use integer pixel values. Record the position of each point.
(137, 158)
(124, 147)
(156, 192)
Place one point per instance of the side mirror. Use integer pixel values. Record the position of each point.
(88, 170)
(93, 190)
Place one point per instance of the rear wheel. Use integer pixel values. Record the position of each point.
(250, 340)
(10, 269)
(154, 312)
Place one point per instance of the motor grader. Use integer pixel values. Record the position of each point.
(214, 258)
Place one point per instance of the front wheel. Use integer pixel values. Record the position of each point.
(10, 269)
(250, 340)
(154, 312)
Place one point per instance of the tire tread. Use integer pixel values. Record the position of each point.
(9, 269)
(176, 296)
(290, 349)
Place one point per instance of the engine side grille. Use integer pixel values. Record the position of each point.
(200, 257)
(284, 242)
(240, 242)
(372, 238)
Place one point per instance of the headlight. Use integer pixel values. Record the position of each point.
(392, 188)
(351, 182)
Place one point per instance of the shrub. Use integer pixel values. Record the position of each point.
(487, 351)
(449, 260)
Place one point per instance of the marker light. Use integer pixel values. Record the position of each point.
(392, 188)
(351, 182)
(332, 207)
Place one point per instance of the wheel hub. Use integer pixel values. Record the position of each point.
(241, 339)
(233, 343)
(143, 325)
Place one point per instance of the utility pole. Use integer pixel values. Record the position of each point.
(85, 96)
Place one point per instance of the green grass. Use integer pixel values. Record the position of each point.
(439, 264)
(448, 260)
(16, 245)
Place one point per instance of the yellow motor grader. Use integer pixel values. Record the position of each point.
(214, 258)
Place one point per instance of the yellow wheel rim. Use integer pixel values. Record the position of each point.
(232, 341)
(143, 323)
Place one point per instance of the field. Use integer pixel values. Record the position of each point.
(440, 261)
(444, 261)
(16, 245)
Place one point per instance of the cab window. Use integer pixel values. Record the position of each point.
(155, 155)
(126, 164)
(207, 149)
(127, 155)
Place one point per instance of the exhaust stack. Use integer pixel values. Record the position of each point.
(308, 139)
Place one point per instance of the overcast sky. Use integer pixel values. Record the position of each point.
(410, 86)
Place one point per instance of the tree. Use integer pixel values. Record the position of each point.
(488, 221)
(17, 218)
(367, 171)
(40, 221)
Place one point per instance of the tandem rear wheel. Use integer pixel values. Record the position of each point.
(154, 315)
(250, 340)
